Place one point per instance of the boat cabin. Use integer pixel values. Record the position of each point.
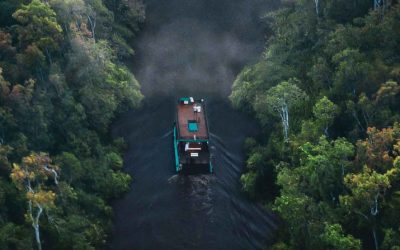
(191, 136)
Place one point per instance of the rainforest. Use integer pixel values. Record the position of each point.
(303, 107)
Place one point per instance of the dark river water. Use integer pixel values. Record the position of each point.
(190, 48)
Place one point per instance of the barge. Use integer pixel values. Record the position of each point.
(191, 136)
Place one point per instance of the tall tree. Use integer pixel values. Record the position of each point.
(40, 27)
(378, 155)
(325, 111)
(31, 177)
(279, 100)
(367, 189)
(336, 239)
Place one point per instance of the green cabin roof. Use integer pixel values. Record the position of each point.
(184, 99)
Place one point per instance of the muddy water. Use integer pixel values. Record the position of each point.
(190, 47)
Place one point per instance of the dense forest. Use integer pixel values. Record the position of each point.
(326, 92)
(61, 84)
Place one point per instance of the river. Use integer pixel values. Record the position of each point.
(190, 48)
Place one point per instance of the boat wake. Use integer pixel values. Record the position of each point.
(190, 48)
(202, 211)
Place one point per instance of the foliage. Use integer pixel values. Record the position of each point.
(337, 177)
(31, 177)
(279, 100)
(334, 237)
(324, 112)
(62, 83)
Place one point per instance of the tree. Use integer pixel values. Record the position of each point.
(367, 189)
(279, 100)
(12, 236)
(131, 10)
(6, 48)
(104, 87)
(391, 239)
(335, 238)
(316, 7)
(382, 5)
(379, 157)
(321, 74)
(243, 89)
(31, 177)
(248, 181)
(378, 108)
(351, 76)
(379, 150)
(4, 87)
(325, 111)
(70, 13)
(297, 209)
(40, 27)
(387, 92)
(59, 91)
(323, 167)
(341, 59)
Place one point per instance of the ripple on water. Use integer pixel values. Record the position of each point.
(190, 48)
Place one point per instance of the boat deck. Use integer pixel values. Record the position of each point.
(202, 158)
(186, 115)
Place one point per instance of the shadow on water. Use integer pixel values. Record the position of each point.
(190, 47)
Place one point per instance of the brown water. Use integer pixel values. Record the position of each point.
(190, 47)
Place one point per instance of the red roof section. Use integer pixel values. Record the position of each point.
(185, 113)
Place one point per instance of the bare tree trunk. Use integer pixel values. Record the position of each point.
(317, 7)
(286, 123)
(284, 114)
(92, 26)
(358, 121)
(36, 226)
(374, 207)
(376, 4)
(326, 131)
(35, 221)
(2, 136)
(375, 239)
(49, 56)
(366, 117)
(382, 5)
(55, 174)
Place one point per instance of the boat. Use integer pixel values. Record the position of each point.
(191, 137)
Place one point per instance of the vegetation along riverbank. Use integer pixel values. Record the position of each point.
(326, 92)
(61, 84)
